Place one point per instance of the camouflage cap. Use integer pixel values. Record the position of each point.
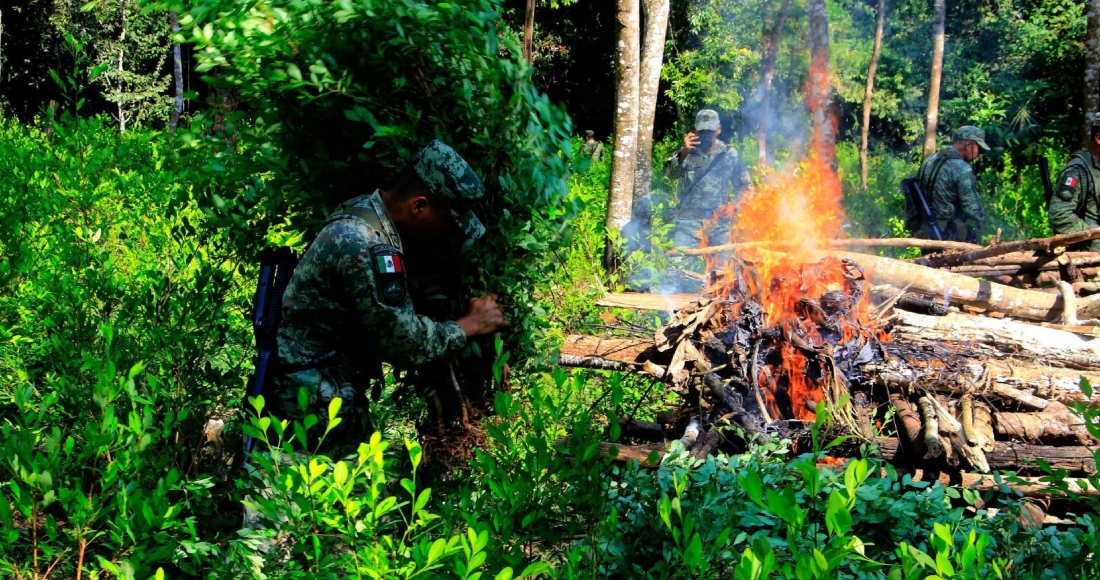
(452, 179)
(706, 120)
(590, 133)
(971, 133)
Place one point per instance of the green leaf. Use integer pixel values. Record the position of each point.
(437, 549)
(693, 555)
(334, 408)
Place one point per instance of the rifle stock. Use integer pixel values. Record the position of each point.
(912, 190)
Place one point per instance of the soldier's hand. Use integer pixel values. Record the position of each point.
(691, 141)
(484, 316)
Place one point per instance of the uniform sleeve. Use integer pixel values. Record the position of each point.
(402, 336)
(1068, 190)
(970, 203)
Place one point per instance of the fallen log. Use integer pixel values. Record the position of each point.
(644, 301)
(1049, 273)
(959, 289)
(1009, 455)
(844, 243)
(1036, 379)
(1005, 336)
(1034, 260)
(1038, 244)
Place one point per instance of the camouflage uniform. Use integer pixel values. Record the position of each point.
(592, 148)
(702, 191)
(346, 308)
(1076, 203)
(953, 198)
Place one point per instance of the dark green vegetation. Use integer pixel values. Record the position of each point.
(126, 268)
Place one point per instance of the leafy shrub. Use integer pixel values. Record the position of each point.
(342, 95)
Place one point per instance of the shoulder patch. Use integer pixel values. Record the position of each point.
(1070, 181)
(389, 270)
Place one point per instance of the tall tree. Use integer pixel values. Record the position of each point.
(822, 122)
(939, 16)
(767, 75)
(529, 32)
(653, 51)
(624, 155)
(177, 74)
(1092, 67)
(880, 23)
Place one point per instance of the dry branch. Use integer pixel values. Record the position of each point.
(845, 243)
(1038, 244)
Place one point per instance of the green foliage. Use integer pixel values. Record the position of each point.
(342, 95)
(132, 46)
(105, 266)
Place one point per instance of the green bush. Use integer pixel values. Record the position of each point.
(105, 265)
(340, 97)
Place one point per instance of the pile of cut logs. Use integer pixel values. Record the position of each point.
(957, 361)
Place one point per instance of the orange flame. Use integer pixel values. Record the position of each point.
(790, 219)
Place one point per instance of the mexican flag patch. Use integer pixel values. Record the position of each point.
(1071, 181)
(388, 264)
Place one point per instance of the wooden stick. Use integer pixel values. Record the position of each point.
(625, 453)
(1039, 244)
(845, 243)
(933, 447)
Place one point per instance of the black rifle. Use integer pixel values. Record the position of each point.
(914, 196)
(276, 267)
(1044, 171)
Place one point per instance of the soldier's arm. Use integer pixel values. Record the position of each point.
(1068, 190)
(402, 335)
(970, 203)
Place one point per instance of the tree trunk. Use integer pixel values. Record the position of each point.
(529, 31)
(866, 129)
(822, 121)
(1092, 67)
(653, 50)
(625, 153)
(933, 116)
(177, 75)
(121, 70)
(767, 74)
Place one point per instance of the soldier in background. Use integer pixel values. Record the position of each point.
(592, 149)
(347, 307)
(1075, 205)
(710, 175)
(951, 188)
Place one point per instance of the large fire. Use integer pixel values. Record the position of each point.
(784, 225)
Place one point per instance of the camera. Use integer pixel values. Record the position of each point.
(706, 139)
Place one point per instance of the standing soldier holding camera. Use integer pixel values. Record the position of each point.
(710, 175)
